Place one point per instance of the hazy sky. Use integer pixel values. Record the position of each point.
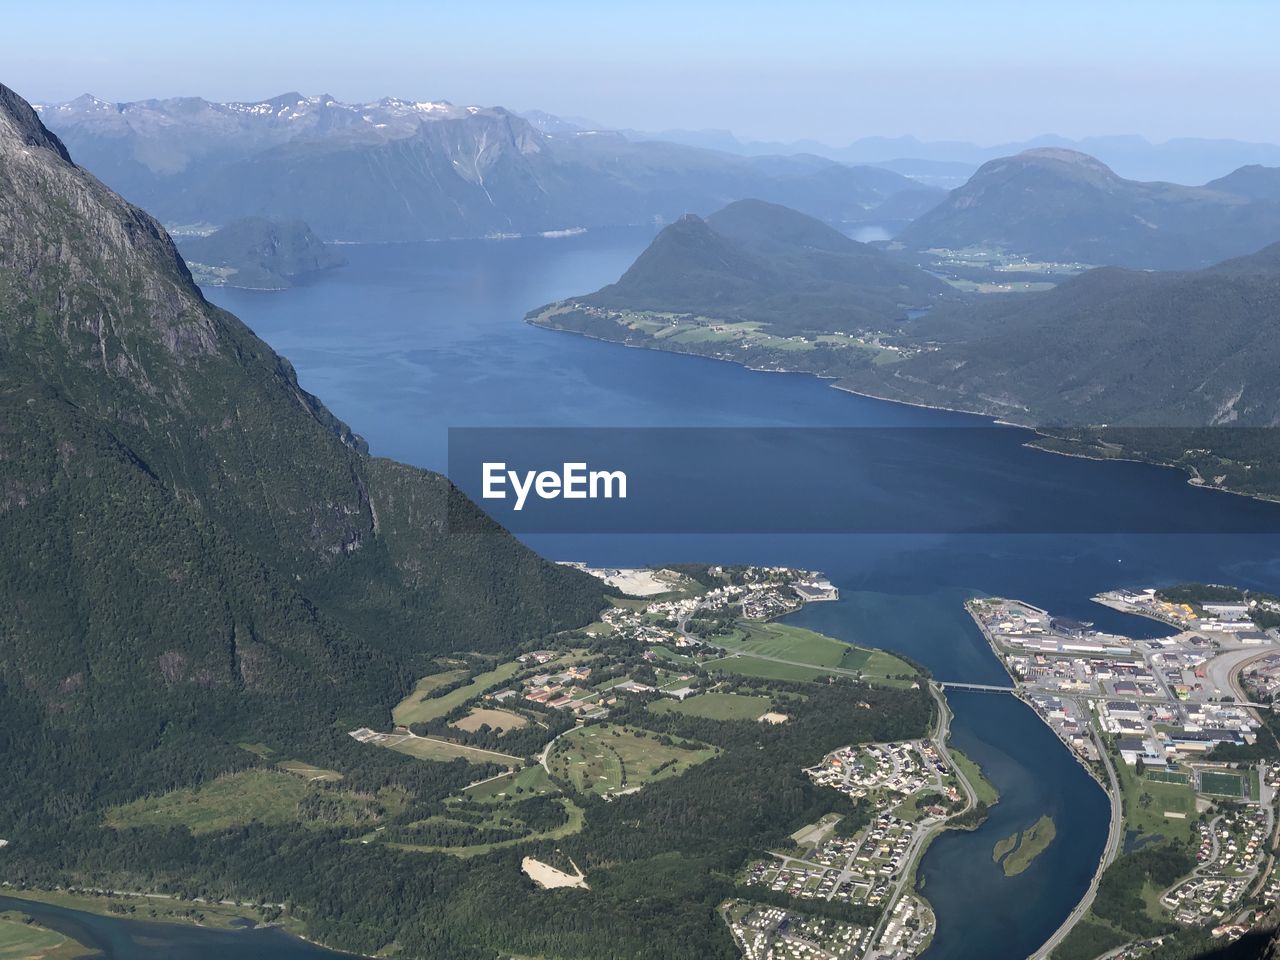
(833, 71)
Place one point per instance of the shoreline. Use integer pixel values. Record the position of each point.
(98, 904)
(1193, 476)
(1115, 826)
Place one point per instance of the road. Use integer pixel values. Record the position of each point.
(1115, 835)
(921, 840)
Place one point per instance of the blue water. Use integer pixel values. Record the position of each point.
(117, 938)
(409, 340)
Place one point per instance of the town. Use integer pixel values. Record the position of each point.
(1168, 725)
(911, 790)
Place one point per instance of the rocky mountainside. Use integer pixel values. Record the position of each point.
(196, 550)
(258, 253)
(1061, 205)
(403, 170)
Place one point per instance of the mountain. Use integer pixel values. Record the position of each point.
(420, 170)
(1255, 182)
(1118, 347)
(758, 261)
(1060, 205)
(197, 553)
(258, 253)
(1179, 160)
(1175, 367)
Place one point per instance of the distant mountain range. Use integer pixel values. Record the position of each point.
(1187, 160)
(258, 253)
(1061, 205)
(409, 170)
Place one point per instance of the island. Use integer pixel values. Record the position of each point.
(1182, 734)
(258, 254)
(1016, 852)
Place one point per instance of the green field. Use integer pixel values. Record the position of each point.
(532, 781)
(809, 649)
(1221, 784)
(716, 706)
(765, 669)
(27, 941)
(605, 758)
(232, 800)
(250, 796)
(429, 748)
(308, 772)
(787, 643)
(985, 791)
(1166, 776)
(414, 709)
(1017, 852)
(1147, 801)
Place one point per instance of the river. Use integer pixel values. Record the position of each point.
(408, 340)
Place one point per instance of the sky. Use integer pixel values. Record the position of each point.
(974, 70)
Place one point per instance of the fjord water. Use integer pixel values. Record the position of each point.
(116, 938)
(409, 340)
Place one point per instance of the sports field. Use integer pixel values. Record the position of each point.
(605, 758)
(1154, 807)
(716, 706)
(1221, 784)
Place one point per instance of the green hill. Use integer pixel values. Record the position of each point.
(757, 261)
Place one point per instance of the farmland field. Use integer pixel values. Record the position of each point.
(605, 758)
(429, 748)
(414, 709)
(716, 706)
(500, 720)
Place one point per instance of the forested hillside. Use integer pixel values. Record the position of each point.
(196, 550)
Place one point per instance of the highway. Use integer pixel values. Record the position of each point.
(1114, 837)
